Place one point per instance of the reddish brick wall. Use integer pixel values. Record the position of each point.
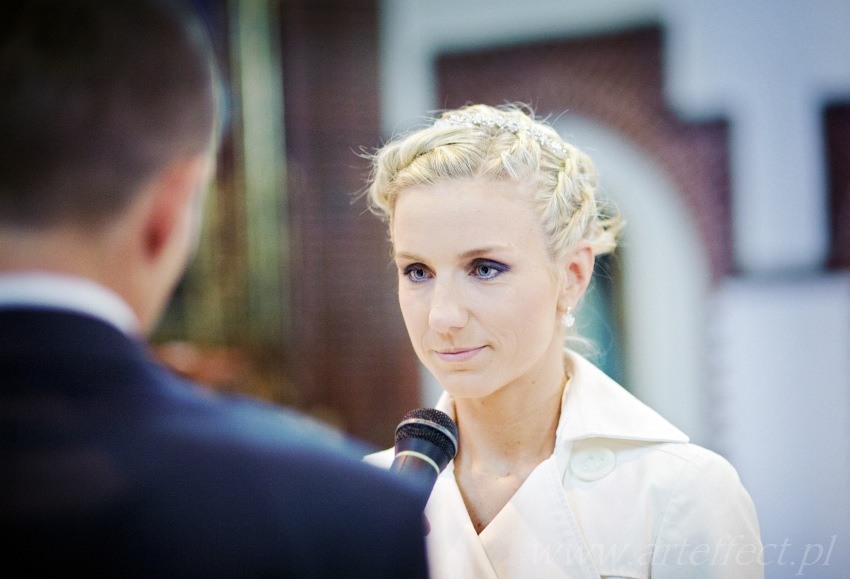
(837, 131)
(353, 362)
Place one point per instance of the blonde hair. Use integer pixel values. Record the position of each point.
(506, 142)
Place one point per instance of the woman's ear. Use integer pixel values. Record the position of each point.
(576, 271)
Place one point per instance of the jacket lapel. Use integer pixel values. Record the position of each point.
(456, 549)
(536, 534)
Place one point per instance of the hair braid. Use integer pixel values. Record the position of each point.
(501, 143)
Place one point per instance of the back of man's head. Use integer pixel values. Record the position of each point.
(96, 98)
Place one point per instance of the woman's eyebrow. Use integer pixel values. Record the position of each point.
(406, 255)
(465, 255)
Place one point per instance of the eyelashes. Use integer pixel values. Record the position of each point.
(488, 269)
(480, 268)
(416, 272)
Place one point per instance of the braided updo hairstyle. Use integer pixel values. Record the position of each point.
(498, 143)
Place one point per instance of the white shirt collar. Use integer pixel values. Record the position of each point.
(64, 292)
(595, 406)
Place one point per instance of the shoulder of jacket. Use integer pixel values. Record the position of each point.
(701, 466)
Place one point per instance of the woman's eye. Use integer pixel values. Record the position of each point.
(416, 273)
(488, 269)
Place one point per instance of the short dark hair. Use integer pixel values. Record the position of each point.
(97, 97)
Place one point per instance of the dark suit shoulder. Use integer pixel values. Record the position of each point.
(289, 487)
(118, 466)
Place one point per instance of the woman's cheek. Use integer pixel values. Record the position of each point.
(414, 311)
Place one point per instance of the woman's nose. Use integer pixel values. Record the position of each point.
(448, 311)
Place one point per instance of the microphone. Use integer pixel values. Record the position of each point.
(425, 442)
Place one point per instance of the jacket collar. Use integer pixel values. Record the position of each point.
(595, 406)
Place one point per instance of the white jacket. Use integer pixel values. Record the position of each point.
(623, 495)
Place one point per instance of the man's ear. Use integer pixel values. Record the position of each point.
(173, 197)
(576, 271)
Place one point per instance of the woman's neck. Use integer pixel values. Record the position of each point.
(515, 425)
(502, 440)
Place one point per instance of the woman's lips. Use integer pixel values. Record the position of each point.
(459, 354)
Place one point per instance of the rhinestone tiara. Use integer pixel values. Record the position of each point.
(504, 123)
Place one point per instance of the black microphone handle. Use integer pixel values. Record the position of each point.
(420, 461)
(415, 468)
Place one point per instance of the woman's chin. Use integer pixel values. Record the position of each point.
(467, 386)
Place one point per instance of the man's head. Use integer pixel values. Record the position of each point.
(108, 117)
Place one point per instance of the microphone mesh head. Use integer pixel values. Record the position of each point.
(427, 431)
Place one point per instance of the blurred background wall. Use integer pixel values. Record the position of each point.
(292, 296)
(722, 132)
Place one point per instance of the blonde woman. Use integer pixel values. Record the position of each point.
(495, 224)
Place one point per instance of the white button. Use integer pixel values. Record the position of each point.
(592, 463)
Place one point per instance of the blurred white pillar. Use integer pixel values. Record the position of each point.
(782, 364)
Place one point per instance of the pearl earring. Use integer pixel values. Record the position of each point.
(568, 319)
